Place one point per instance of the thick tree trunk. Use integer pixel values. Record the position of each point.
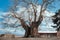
(27, 32)
(31, 33)
(34, 29)
(34, 32)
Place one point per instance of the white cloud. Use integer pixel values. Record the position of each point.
(48, 14)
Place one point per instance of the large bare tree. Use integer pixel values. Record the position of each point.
(32, 28)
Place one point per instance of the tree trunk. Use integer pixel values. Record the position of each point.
(34, 29)
(34, 32)
(27, 32)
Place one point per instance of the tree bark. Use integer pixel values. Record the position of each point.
(34, 29)
(27, 32)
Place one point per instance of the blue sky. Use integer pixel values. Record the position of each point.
(4, 5)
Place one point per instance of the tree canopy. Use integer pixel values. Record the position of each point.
(56, 20)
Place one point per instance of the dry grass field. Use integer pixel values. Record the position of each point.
(13, 37)
(3, 38)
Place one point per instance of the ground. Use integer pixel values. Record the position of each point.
(13, 37)
(2, 38)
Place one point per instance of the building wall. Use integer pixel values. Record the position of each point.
(58, 34)
(48, 35)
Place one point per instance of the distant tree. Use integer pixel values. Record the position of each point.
(56, 20)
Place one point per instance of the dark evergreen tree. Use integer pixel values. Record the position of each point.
(56, 20)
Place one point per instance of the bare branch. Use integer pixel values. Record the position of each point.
(43, 8)
(35, 11)
(12, 9)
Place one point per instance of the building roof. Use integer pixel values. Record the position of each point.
(47, 31)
